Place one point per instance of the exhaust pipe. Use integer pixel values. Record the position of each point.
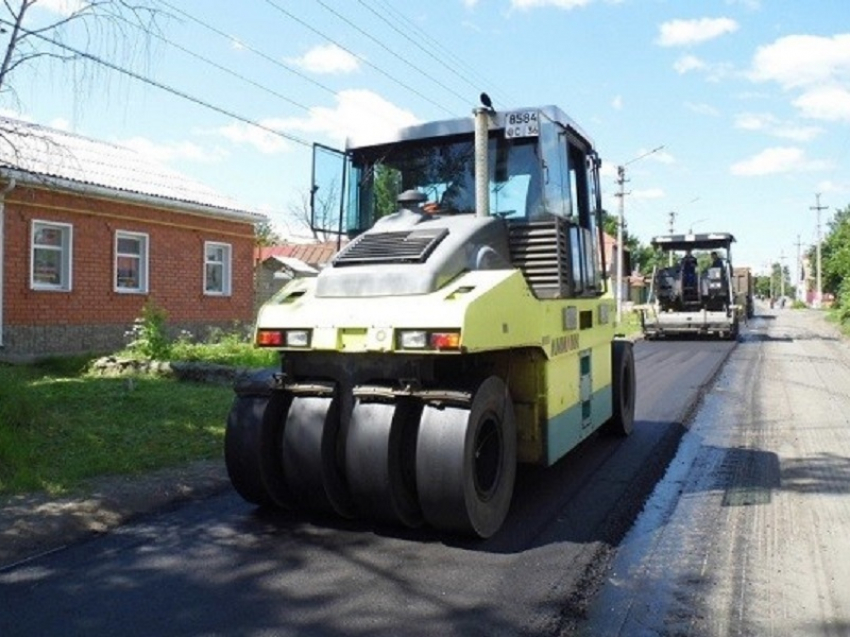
(482, 163)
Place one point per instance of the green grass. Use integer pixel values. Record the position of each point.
(60, 426)
(228, 350)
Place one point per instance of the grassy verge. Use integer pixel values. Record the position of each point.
(60, 426)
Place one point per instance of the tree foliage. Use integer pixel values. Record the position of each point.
(265, 235)
(835, 259)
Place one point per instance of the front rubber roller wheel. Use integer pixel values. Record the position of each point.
(380, 453)
(622, 389)
(242, 448)
(310, 455)
(466, 462)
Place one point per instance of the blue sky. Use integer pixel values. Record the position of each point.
(750, 99)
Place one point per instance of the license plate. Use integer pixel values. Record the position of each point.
(522, 124)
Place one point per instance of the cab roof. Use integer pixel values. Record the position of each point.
(702, 241)
(462, 126)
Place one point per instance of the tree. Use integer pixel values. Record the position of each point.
(110, 27)
(265, 235)
(326, 213)
(835, 259)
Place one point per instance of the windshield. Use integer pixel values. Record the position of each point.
(443, 170)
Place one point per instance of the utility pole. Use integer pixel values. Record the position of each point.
(621, 194)
(782, 273)
(673, 214)
(799, 275)
(819, 292)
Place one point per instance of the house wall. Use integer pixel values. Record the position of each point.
(266, 284)
(92, 316)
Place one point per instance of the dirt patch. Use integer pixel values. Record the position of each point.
(37, 523)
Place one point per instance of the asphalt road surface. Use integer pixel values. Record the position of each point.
(223, 567)
(749, 531)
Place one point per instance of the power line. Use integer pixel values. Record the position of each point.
(248, 47)
(389, 50)
(437, 46)
(230, 72)
(358, 57)
(159, 85)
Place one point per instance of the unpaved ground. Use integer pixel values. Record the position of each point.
(749, 532)
(33, 524)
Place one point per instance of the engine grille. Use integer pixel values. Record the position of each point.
(409, 246)
(541, 250)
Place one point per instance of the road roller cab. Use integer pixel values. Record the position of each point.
(463, 327)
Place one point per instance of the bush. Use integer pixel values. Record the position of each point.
(844, 301)
(148, 336)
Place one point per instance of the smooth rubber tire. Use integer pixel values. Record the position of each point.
(270, 453)
(466, 462)
(242, 445)
(380, 455)
(623, 390)
(310, 455)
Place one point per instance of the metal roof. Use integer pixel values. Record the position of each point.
(704, 241)
(44, 156)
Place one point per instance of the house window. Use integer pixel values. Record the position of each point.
(131, 262)
(217, 268)
(51, 256)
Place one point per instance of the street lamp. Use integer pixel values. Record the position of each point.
(621, 182)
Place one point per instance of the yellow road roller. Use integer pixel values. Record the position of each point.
(464, 326)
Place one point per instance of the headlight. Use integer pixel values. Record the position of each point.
(422, 339)
(412, 339)
(283, 338)
(297, 338)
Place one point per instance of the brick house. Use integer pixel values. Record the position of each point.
(91, 231)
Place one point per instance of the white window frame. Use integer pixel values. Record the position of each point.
(143, 257)
(66, 252)
(225, 264)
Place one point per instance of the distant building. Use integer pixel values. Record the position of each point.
(91, 231)
(277, 265)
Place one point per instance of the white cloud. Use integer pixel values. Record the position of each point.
(830, 103)
(688, 63)
(359, 113)
(617, 102)
(797, 61)
(649, 193)
(264, 141)
(558, 4)
(171, 151)
(771, 161)
(768, 123)
(327, 59)
(685, 32)
(702, 109)
(60, 123)
(829, 186)
(62, 7)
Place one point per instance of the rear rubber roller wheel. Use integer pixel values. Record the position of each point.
(466, 462)
(242, 444)
(380, 454)
(623, 392)
(310, 455)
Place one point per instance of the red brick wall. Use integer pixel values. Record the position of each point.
(176, 262)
